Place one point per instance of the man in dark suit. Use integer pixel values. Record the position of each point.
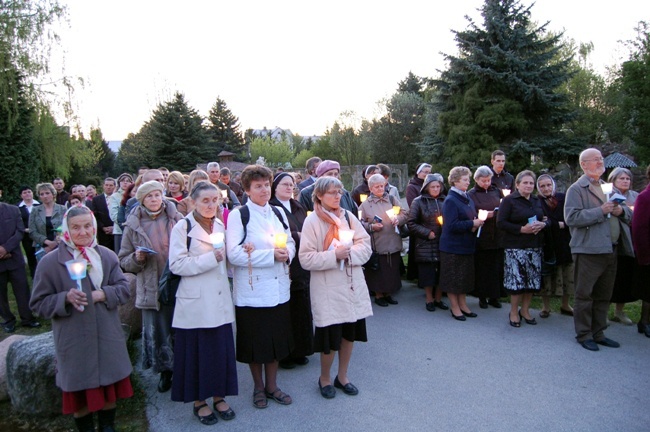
(311, 165)
(99, 206)
(12, 269)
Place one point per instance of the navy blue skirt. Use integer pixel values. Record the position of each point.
(204, 364)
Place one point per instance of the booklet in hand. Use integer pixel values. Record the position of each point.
(617, 198)
(145, 250)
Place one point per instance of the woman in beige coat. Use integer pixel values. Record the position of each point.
(204, 348)
(339, 294)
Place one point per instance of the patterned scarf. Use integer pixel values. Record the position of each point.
(88, 253)
(331, 218)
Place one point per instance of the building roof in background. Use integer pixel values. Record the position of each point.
(617, 159)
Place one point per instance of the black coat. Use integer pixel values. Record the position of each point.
(413, 189)
(423, 218)
(487, 200)
(297, 216)
(560, 238)
(100, 210)
(11, 235)
(513, 214)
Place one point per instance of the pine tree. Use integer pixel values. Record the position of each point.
(500, 91)
(179, 141)
(223, 129)
(20, 153)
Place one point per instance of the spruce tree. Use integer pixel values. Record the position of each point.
(224, 129)
(179, 141)
(500, 91)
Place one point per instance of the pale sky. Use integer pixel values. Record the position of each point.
(292, 64)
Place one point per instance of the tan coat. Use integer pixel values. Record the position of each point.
(203, 299)
(90, 345)
(336, 298)
(387, 240)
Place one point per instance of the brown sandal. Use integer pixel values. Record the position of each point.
(279, 396)
(259, 399)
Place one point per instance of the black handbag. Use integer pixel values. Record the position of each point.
(373, 262)
(168, 283)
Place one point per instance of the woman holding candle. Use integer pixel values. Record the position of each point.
(332, 236)
(413, 191)
(176, 186)
(261, 285)
(300, 303)
(626, 267)
(92, 362)
(361, 192)
(488, 259)
(425, 222)
(149, 226)
(46, 218)
(385, 281)
(560, 280)
(521, 218)
(204, 348)
(458, 243)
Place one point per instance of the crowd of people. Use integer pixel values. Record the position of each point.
(293, 262)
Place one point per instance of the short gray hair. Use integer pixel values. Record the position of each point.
(483, 171)
(376, 179)
(323, 184)
(213, 165)
(617, 172)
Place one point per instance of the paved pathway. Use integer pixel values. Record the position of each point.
(425, 371)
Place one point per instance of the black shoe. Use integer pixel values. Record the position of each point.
(328, 392)
(608, 343)
(514, 323)
(300, 361)
(106, 420)
(589, 344)
(348, 389)
(528, 321)
(469, 314)
(31, 324)
(287, 364)
(381, 301)
(441, 305)
(458, 317)
(391, 300)
(566, 312)
(495, 303)
(85, 423)
(165, 382)
(482, 303)
(206, 420)
(9, 327)
(431, 307)
(228, 414)
(643, 328)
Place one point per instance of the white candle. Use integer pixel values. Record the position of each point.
(77, 271)
(482, 215)
(346, 237)
(505, 192)
(224, 194)
(363, 197)
(217, 239)
(607, 189)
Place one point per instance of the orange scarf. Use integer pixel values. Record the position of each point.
(334, 223)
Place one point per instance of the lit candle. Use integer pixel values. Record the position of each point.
(309, 212)
(607, 190)
(217, 239)
(482, 215)
(631, 208)
(392, 214)
(363, 197)
(439, 218)
(505, 192)
(346, 237)
(77, 271)
(224, 194)
(281, 240)
(360, 212)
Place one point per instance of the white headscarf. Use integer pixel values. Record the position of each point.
(88, 253)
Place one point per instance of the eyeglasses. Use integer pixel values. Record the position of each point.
(597, 159)
(334, 193)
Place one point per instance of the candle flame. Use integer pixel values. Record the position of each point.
(482, 214)
(281, 240)
(505, 192)
(363, 197)
(439, 218)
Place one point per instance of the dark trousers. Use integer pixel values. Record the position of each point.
(29, 253)
(594, 277)
(18, 279)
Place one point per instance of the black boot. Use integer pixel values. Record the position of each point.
(85, 423)
(165, 382)
(106, 420)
